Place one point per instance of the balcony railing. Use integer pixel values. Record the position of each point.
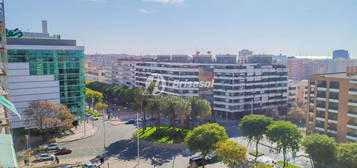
(352, 134)
(352, 123)
(352, 112)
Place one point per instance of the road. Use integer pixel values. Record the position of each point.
(120, 145)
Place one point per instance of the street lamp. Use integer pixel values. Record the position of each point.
(103, 129)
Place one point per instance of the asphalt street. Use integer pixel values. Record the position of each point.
(120, 144)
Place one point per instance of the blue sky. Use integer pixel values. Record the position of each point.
(293, 27)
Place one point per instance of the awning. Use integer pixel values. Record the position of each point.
(9, 105)
(7, 152)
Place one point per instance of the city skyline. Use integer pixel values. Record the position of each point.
(302, 29)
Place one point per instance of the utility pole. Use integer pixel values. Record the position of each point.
(103, 130)
(27, 147)
(137, 128)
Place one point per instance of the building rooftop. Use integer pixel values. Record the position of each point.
(37, 38)
(36, 41)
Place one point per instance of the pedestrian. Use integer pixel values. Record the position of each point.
(26, 162)
(101, 160)
(57, 160)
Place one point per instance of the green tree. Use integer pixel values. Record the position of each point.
(204, 138)
(200, 108)
(232, 153)
(182, 109)
(321, 148)
(254, 127)
(170, 110)
(157, 105)
(100, 106)
(347, 155)
(93, 97)
(286, 135)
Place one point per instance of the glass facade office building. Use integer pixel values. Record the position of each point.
(61, 58)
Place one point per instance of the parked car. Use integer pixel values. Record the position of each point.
(151, 119)
(89, 165)
(52, 146)
(94, 118)
(63, 151)
(130, 121)
(45, 156)
(199, 160)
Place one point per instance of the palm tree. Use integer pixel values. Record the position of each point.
(157, 105)
(200, 108)
(183, 110)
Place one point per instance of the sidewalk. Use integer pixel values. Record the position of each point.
(84, 130)
(122, 117)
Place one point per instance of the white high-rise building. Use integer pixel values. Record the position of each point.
(233, 89)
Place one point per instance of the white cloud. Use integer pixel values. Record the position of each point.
(146, 11)
(166, 1)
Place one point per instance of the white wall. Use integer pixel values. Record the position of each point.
(24, 88)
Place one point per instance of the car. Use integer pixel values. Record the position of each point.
(199, 160)
(45, 156)
(53, 146)
(89, 165)
(63, 151)
(151, 119)
(130, 121)
(94, 118)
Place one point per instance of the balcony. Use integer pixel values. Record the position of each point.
(352, 103)
(319, 128)
(352, 114)
(331, 131)
(352, 125)
(333, 100)
(334, 90)
(332, 121)
(321, 98)
(332, 111)
(320, 119)
(351, 138)
(320, 109)
(352, 134)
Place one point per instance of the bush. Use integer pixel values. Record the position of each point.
(259, 165)
(289, 165)
(166, 134)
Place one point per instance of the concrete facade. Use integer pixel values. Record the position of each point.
(25, 88)
(333, 105)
